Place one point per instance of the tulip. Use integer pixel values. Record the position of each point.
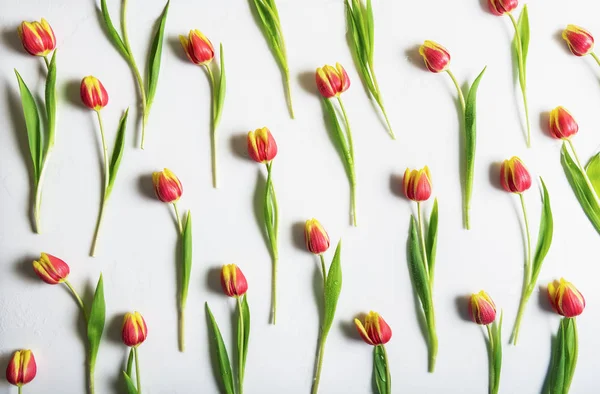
(21, 368)
(233, 281)
(37, 37)
(417, 184)
(134, 331)
(562, 123)
(482, 309)
(437, 58)
(262, 147)
(50, 269)
(514, 176)
(93, 94)
(315, 236)
(197, 47)
(565, 299)
(375, 331)
(332, 81)
(579, 40)
(167, 186)
(501, 7)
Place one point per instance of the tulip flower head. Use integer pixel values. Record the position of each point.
(437, 58)
(375, 331)
(501, 7)
(167, 186)
(514, 176)
(21, 368)
(262, 147)
(37, 37)
(565, 299)
(332, 81)
(562, 123)
(482, 309)
(93, 94)
(233, 281)
(417, 184)
(315, 236)
(579, 40)
(197, 47)
(50, 269)
(134, 331)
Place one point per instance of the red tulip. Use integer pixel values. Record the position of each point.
(134, 331)
(315, 236)
(565, 299)
(417, 184)
(562, 123)
(167, 186)
(501, 7)
(437, 58)
(197, 47)
(233, 281)
(21, 368)
(50, 269)
(579, 40)
(332, 81)
(93, 94)
(37, 37)
(514, 176)
(375, 331)
(262, 147)
(482, 309)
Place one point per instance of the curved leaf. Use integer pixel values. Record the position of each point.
(155, 56)
(51, 101)
(564, 357)
(245, 333)
(222, 89)
(333, 287)
(380, 369)
(419, 275)
(95, 324)
(222, 356)
(370, 29)
(592, 169)
(129, 362)
(130, 385)
(523, 26)
(112, 32)
(187, 259)
(432, 238)
(117, 153)
(340, 138)
(497, 352)
(545, 234)
(33, 126)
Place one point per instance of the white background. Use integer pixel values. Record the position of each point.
(137, 246)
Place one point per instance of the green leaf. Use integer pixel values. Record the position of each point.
(431, 243)
(222, 88)
(380, 369)
(33, 125)
(130, 385)
(370, 29)
(340, 138)
(51, 101)
(592, 170)
(130, 362)
(572, 350)
(112, 32)
(470, 140)
(270, 212)
(245, 333)
(523, 25)
(361, 27)
(155, 56)
(586, 196)
(95, 324)
(545, 234)
(333, 287)
(117, 153)
(187, 259)
(418, 270)
(564, 357)
(497, 355)
(222, 356)
(272, 29)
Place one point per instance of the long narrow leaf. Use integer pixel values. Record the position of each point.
(340, 138)
(130, 362)
(572, 350)
(269, 213)
(380, 369)
(130, 385)
(418, 270)
(432, 238)
(33, 125)
(370, 29)
(272, 30)
(222, 356)
(245, 333)
(220, 99)
(155, 56)
(117, 153)
(112, 32)
(559, 366)
(523, 25)
(51, 102)
(592, 169)
(96, 320)
(497, 356)
(361, 26)
(545, 234)
(186, 269)
(333, 287)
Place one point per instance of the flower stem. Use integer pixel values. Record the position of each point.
(388, 376)
(528, 261)
(47, 62)
(92, 373)
(522, 82)
(20, 390)
(582, 168)
(491, 367)
(379, 100)
(77, 298)
(324, 271)
(429, 312)
(105, 191)
(288, 91)
(422, 238)
(179, 223)
(272, 231)
(182, 328)
(320, 354)
(527, 285)
(38, 194)
(595, 57)
(461, 96)
(137, 370)
(352, 173)
(241, 348)
(213, 134)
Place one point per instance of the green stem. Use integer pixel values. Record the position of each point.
(491, 367)
(272, 231)
(422, 239)
(433, 340)
(77, 298)
(182, 328)
(47, 62)
(527, 276)
(388, 376)
(595, 57)
(321, 353)
(461, 96)
(137, 370)
(288, 91)
(106, 181)
(38, 194)
(575, 354)
(522, 82)
(429, 313)
(524, 299)
(324, 271)
(213, 134)
(241, 348)
(379, 100)
(351, 165)
(528, 261)
(92, 373)
(179, 223)
(582, 168)
(20, 390)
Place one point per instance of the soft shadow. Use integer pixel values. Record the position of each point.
(494, 175)
(146, 187)
(6, 357)
(306, 79)
(414, 57)
(548, 378)
(557, 37)
(298, 236)
(258, 203)
(214, 358)
(416, 302)
(23, 267)
(238, 144)
(11, 39)
(114, 328)
(462, 307)
(396, 181)
(349, 328)
(545, 123)
(175, 45)
(72, 93)
(543, 300)
(484, 5)
(213, 280)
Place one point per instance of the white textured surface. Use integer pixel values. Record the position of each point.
(137, 245)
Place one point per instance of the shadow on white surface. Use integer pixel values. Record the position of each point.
(213, 280)
(494, 175)
(461, 303)
(238, 144)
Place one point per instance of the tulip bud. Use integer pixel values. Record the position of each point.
(437, 58)
(482, 309)
(579, 40)
(501, 7)
(233, 281)
(37, 37)
(315, 236)
(262, 147)
(134, 331)
(21, 368)
(375, 330)
(332, 81)
(197, 47)
(514, 176)
(417, 184)
(562, 123)
(167, 186)
(50, 269)
(93, 94)
(565, 299)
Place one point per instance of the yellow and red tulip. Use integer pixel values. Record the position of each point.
(315, 237)
(375, 331)
(482, 309)
(514, 175)
(134, 331)
(262, 147)
(417, 184)
(37, 37)
(167, 186)
(579, 40)
(437, 58)
(233, 281)
(51, 269)
(565, 299)
(501, 7)
(562, 123)
(21, 368)
(197, 47)
(332, 81)
(93, 94)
